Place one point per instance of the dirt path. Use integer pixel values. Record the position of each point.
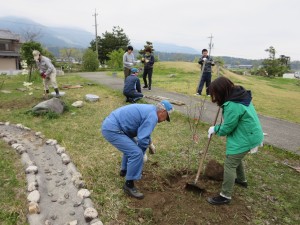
(56, 193)
(280, 133)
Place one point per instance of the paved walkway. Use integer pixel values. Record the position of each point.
(280, 133)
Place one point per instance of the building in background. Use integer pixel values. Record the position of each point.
(10, 44)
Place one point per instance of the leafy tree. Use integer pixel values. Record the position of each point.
(116, 59)
(148, 44)
(90, 61)
(273, 67)
(109, 42)
(26, 55)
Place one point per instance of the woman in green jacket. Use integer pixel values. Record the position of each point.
(242, 128)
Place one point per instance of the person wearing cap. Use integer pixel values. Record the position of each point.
(128, 61)
(47, 72)
(129, 129)
(132, 87)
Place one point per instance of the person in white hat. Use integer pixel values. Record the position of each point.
(47, 72)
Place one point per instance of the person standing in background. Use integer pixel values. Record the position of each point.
(128, 61)
(206, 61)
(148, 60)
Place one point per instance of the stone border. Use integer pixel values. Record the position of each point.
(31, 170)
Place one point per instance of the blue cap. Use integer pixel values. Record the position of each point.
(134, 70)
(168, 107)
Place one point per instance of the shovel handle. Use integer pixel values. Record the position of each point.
(206, 150)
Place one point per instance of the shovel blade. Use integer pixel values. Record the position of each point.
(194, 188)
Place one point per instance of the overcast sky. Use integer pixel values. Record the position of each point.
(240, 28)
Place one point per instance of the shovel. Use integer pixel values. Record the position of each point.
(193, 185)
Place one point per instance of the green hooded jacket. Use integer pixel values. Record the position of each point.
(241, 126)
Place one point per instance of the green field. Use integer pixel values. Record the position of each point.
(275, 97)
(272, 196)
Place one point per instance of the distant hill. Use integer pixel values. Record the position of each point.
(61, 37)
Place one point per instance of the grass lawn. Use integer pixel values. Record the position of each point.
(276, 97)
(272, 196)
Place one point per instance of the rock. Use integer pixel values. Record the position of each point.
(214, 170)
(83, 193)
(65, 158)
(79, 184)
(90, 214)
(51, 142)
(60, 150)
(96, 222)
(78, 104)
(32, 169)
(172, 75)
(34, 196)
(87, 203)
(48, 222)
(32, 186)
(11, 142)
(20, 126)
(33, 208)
(52, 105)
(74, 222)
(91, 98)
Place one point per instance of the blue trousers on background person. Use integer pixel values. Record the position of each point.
(132, 160)
(206, 78)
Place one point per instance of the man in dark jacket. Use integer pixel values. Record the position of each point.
(206, 61)
(132, 87)
(148, 60)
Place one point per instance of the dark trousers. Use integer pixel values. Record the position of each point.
(148, 71)
(206, 78)
(134, 96)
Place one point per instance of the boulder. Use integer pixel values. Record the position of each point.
(53, 104)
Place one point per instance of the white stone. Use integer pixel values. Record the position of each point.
(16, 145)
(51, 142)
(60, 150)
(7, 123)
(74, 222)
(78, 104)
(32, 186)
(34, 196)
(38, 133)
(20, 126)
(31, 169)
(83, 193)
(65, 158)
(90, 214)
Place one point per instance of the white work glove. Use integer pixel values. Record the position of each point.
(211, 131)
(152, 149)
(130, 64)
(204, 59)
(146, 60)
(137, 61)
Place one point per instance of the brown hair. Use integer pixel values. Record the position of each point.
(220, 89)
(148, 49)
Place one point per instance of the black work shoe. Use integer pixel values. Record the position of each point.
(133, 192)
(219, 200)
(243, 184)
(123, 173)
(146, 86)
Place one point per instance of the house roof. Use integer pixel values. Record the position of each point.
(7, 34)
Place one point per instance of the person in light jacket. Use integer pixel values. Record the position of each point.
(242, 128)
(47, 72)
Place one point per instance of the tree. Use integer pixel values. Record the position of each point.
(148, 44)
(116, 59)
(90, 61)
(273, 67)
(26, 55)
(71, 55)
(109, 42)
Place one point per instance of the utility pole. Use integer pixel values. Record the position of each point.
(96, 25)
(210, 45)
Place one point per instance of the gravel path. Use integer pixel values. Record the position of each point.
(280, 133)
(56, 193)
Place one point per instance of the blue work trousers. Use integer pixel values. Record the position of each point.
(132, 160)
(206, 78)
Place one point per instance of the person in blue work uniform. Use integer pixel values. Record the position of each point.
(132, 87)
(129, 129)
